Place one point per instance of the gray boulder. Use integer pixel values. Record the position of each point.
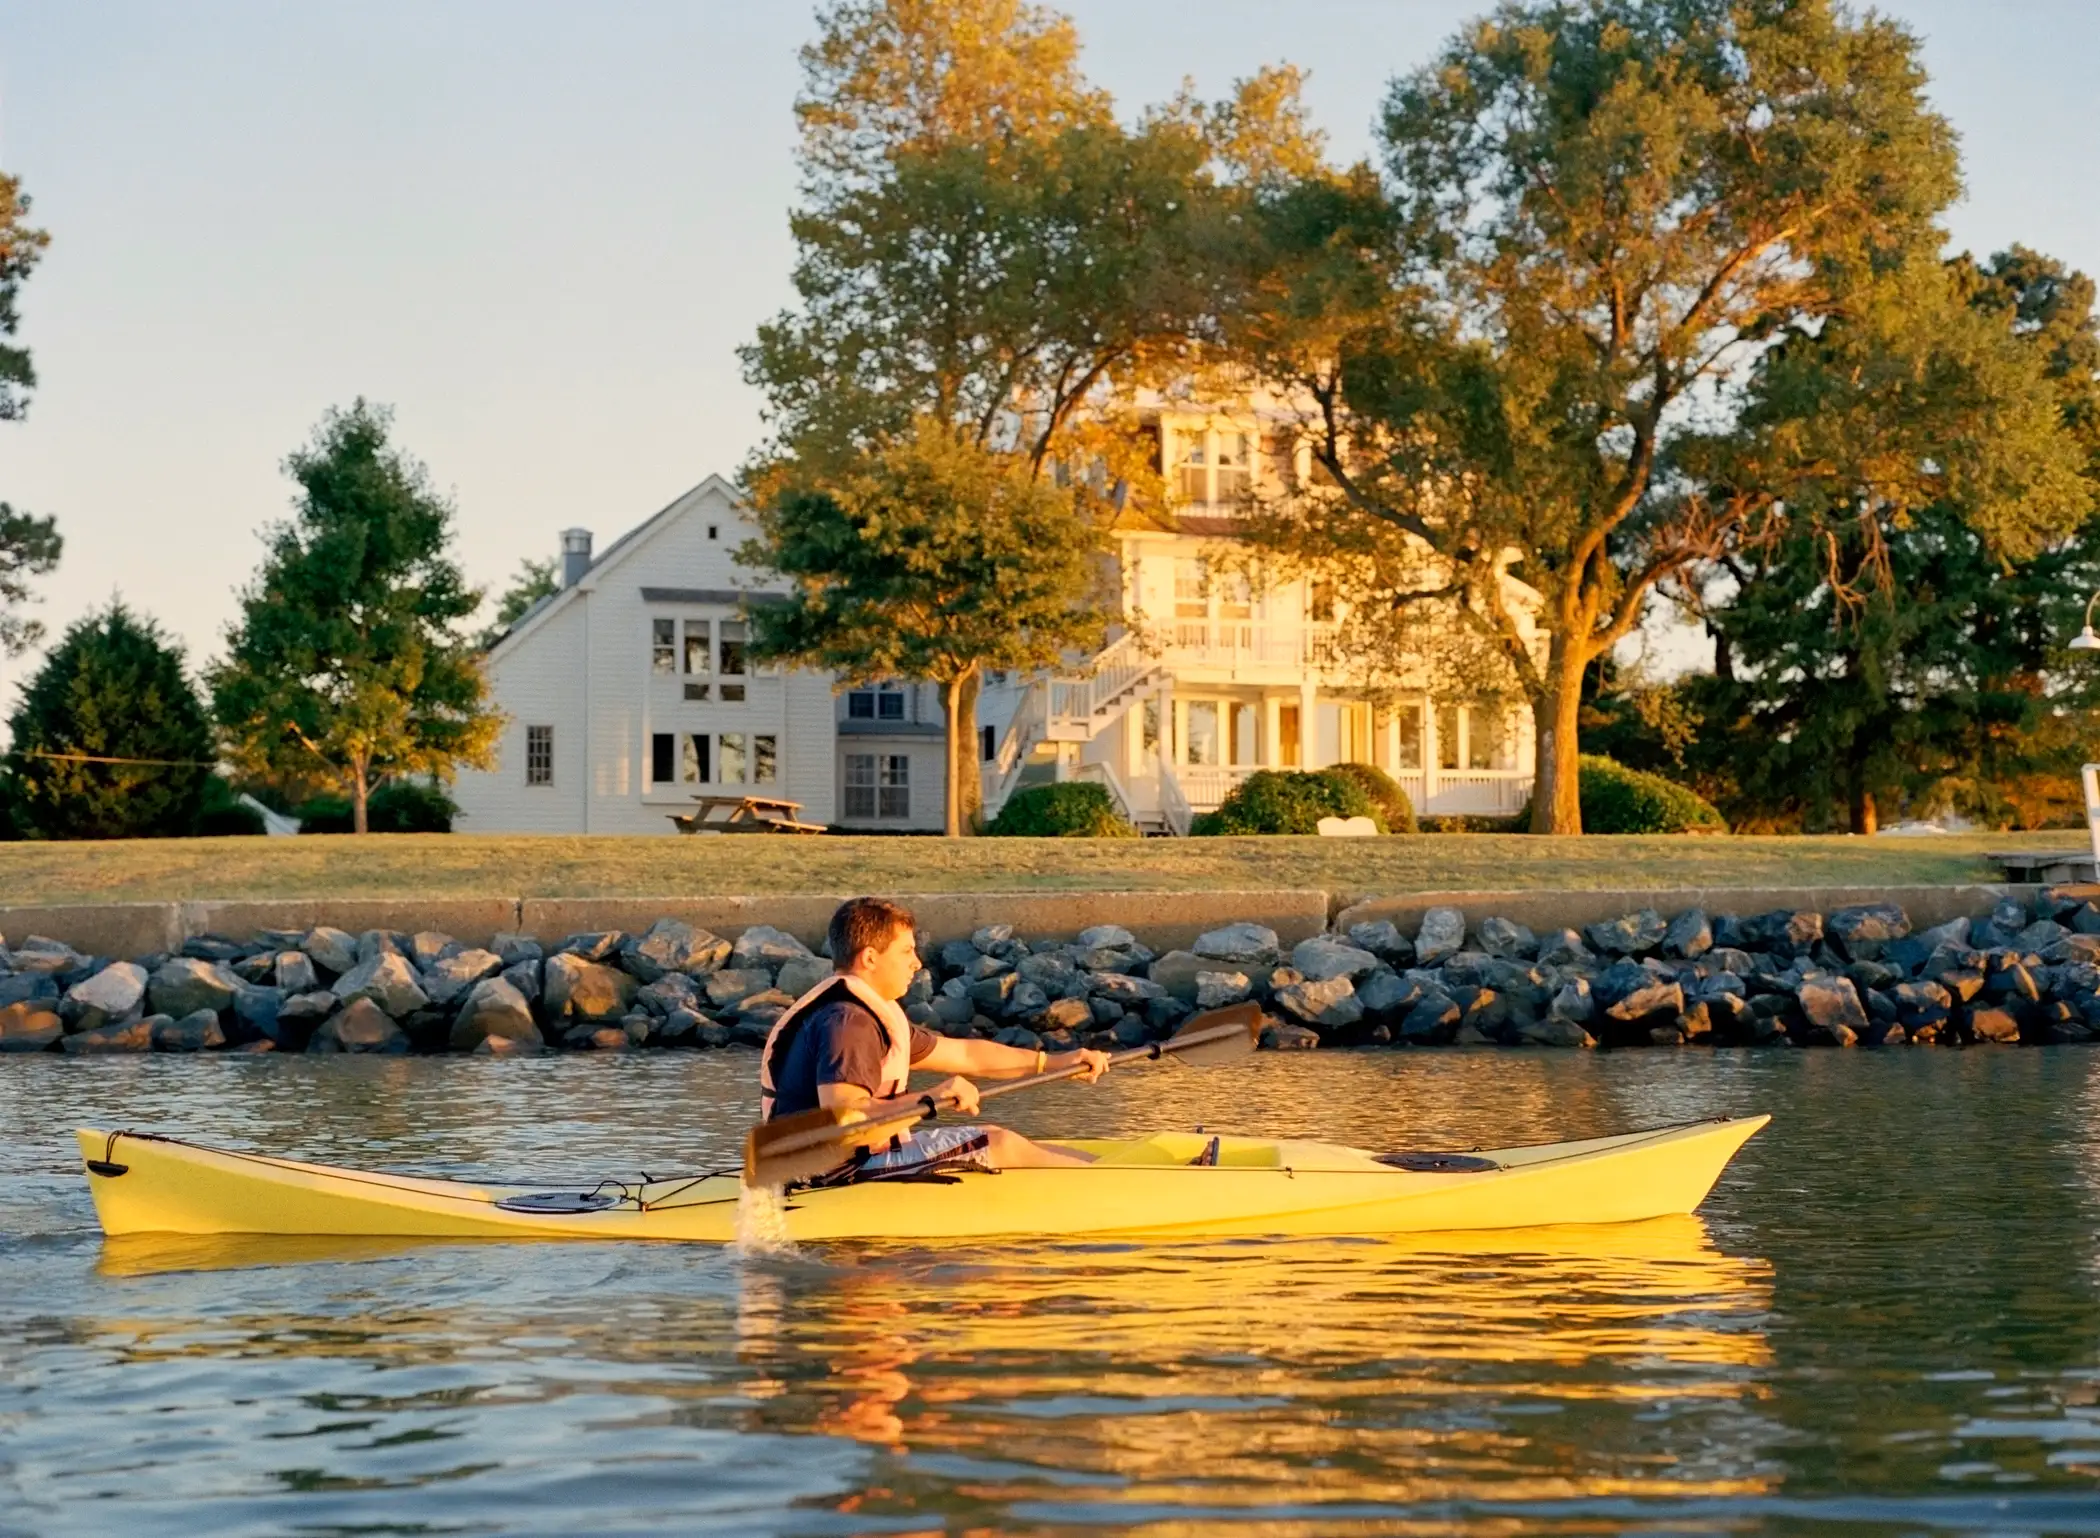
(574, 989)
(1106, 937)
(428, 947)
(294, 972)
(1387, 995)
(332, 950)
(184, 985)
(668, 994)
(764, 946)
(360, 1026)
(1554, 1031)
(115, 995)
(992, 935)
(1574, 1003)
(799, 974)
(1863, 932)
(1323, 958)
(1241, 943)
(450, 977)
(1433, 1019)
(387, 979)
(1282, 1036)
(381, 942)
(1564, 948)
(1629, 935)
(1689, 936)
(1026, 1000)
(592, 945)
(671, 946)
(1215, 990)
(1382, 938)
(494, 1008)
(514, 948)
(1330, 1003)
(525, 976)
(1052, 973)
(1832, 1010)
(1506, 938)
(991, 993)
(1131, 991)
(132, 1036)
(256, 1015)
(1443, 933)
(25, 1028)
(1176, 972)
(199, 1032)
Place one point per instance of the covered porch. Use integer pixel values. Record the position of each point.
(1185, 748)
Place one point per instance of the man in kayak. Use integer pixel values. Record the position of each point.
(847, 1043)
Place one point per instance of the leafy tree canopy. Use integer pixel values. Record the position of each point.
(534, 580)
(29, 546)
(113, 688)
(1591, 218)
(346, 661)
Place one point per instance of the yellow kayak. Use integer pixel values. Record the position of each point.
(1138, 1186)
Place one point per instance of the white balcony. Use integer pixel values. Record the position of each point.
(1244, 647)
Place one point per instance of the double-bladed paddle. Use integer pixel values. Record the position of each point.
(792, 1148)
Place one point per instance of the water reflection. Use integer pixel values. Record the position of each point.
(1889, 1321)
(1400, 1373)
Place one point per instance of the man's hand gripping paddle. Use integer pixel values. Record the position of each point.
(792, 1148)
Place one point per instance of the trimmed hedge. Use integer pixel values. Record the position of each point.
(398, 806)
(1070, 809)
(1616, 799)
(1387, 797)
(1286, 801)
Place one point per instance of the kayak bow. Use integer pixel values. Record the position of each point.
(1138, 1186)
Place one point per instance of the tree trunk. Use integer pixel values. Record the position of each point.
(951, 797)
(359, 795)
(969, 756)
(1866, 816)
(1556, 792)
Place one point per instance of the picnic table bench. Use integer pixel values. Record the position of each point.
(744, 814)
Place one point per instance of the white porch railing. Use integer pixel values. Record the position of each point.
(1207, 785)
(1467, 792)
(1081, 703)
(1174, 808)
(1246, 643)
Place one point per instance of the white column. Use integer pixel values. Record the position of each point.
(1309, 726)
(1432, 751)
(1272, 730)
(1169, 725)
(1392, 741)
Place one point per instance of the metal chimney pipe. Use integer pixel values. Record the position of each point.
(575, 555)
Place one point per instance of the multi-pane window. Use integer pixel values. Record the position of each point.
(1216, 468)
(734, 643)
(694, 767)
(1235, 596)
(696, 648)
(1410, 718)
(663, 646)
(732, 759)
(765, 759)
(878, 785)
(1487, 744)
(1203, 731)
(1191, 588)
(883, 702)
(988, 743)
(663, 758)
(539, 755)
(1447, 743)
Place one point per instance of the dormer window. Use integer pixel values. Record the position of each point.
(879, 702)
(1216, 468)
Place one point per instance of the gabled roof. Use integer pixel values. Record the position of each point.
(612, 556)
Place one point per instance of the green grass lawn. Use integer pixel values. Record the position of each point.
(160, 870)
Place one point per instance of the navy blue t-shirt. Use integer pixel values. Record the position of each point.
(840, 1042)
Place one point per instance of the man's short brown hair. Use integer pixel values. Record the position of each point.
(865, 923)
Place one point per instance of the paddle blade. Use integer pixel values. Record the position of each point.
(799, 1147)
(1214, 1037)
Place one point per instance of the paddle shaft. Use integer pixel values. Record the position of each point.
(928, 1107)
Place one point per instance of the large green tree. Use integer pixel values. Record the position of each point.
(347, 662)
(29, 545)
(981, 246)
(936, 558)
(534, 580)
(1910, 654)
(111, 739)
(1591, 218)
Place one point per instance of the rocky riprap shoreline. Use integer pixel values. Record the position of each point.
(1855, 976)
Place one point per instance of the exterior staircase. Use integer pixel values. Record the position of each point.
(1073, 705)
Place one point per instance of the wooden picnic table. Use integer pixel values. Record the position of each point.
(745, 814)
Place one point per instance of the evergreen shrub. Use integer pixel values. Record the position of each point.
(1286, 801)
(225, 815)
(1616, 799)
(398, 806)
(1071, 809)
(1390, 801)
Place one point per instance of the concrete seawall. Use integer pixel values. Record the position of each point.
(1164, 920)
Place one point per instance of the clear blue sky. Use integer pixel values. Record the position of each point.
(540, 231)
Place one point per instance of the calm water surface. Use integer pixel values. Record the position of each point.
(1886, 1320)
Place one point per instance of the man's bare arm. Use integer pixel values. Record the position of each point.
(993, 1060)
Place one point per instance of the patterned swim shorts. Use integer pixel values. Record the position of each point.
(930, 1149)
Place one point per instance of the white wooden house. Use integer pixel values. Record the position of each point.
(1208, 679)
(629, 693)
